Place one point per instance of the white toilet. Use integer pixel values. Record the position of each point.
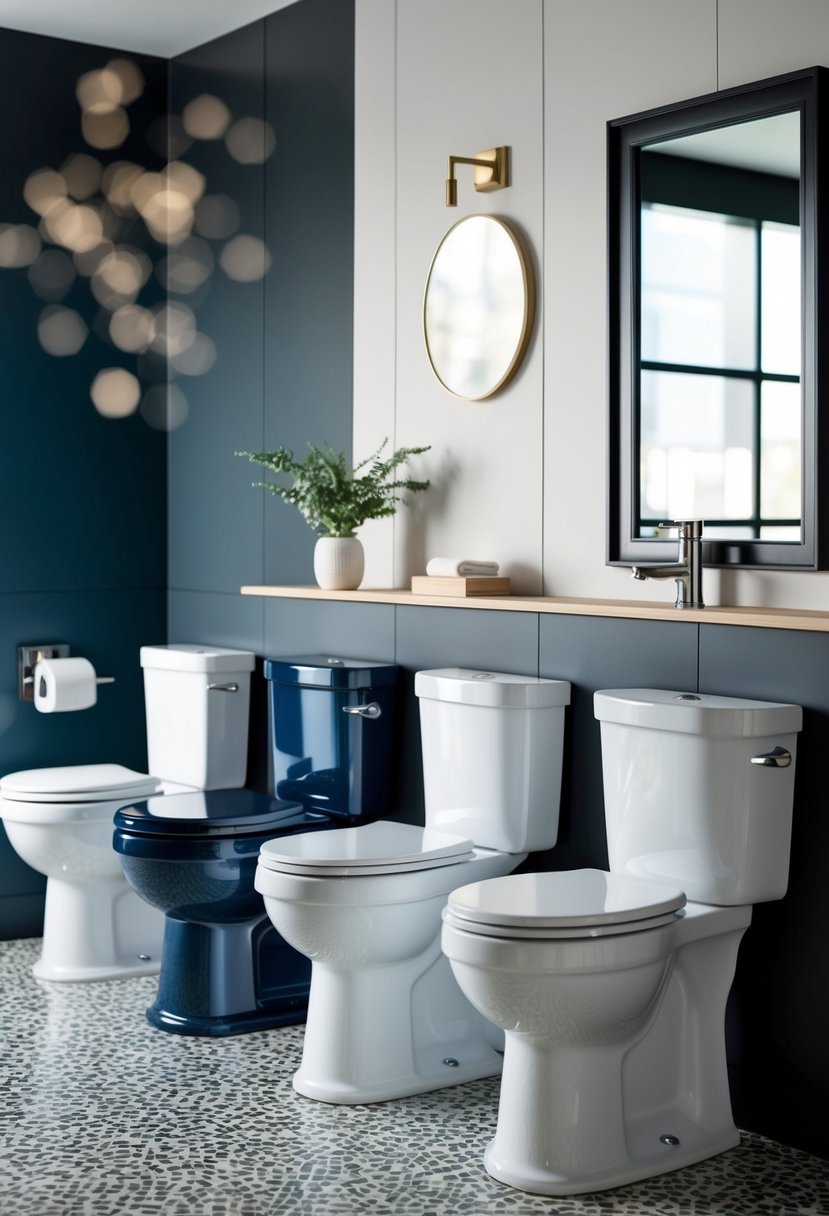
(59, 820)
(385, 1016)
(610, 987)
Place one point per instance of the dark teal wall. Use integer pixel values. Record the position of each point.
(82, 498)
(284, 367)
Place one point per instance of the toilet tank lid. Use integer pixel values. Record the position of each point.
(189, 656)
(693, 713)
(470, 686)
(328, 671)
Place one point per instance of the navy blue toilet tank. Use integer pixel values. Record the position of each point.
(332, 733)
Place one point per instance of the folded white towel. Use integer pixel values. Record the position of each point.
(448, 567)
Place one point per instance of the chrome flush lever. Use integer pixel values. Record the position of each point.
(372, 710)
(231, 687)
(778, 757)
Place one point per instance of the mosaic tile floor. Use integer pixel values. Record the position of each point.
(100, 1115)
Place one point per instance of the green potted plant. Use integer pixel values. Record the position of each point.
(335, 500)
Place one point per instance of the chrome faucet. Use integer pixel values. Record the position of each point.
(687, 570)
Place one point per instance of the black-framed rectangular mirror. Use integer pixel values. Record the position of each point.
(718, 292)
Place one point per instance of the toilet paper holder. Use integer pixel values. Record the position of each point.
(29, 656)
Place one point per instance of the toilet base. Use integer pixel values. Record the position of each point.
(640, 1093)
(219, 980)
(402, 1029)
(238, 1023)
(647, 1157)
(97, 930)
(115, 971)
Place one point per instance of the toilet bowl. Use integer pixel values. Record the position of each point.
(611, 987)
(60, 819)
(386, 1018)
(193, 855)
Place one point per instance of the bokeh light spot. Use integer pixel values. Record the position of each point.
(61, 331)
(131, 328)
(105, 128)
(130, 79)
(115, 392)
(101, 89)
(245, 259)
(250, 141)
(82, 175)
(217, 217)
(206, 117)
(19, 245)
(174, 329)
(187, 268)
(51, 275)
(45, 189)
(164, 407)
(195, 359)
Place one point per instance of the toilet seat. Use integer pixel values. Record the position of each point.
(212, 813)
(71, 793)
(77, 783)
(383, 847)
(563, 904)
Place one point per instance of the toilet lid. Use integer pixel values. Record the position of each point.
(384, 847)
(77, 783)
(566, 903)
(213, 813)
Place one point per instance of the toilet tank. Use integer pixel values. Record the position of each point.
(698, 791)
(492, 749)
(332, 724)
(197, 703)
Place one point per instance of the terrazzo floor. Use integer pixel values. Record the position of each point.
(101, 1115)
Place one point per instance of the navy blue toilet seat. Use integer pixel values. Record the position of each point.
(208, 824)
(211, 813)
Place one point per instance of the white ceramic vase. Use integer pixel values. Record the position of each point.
(338, 563)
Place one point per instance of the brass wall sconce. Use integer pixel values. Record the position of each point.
(491, 172)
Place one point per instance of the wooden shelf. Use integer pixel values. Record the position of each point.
(642, 610)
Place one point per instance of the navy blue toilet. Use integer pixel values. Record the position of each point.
(192, 853)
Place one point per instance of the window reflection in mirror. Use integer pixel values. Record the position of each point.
(719, 391)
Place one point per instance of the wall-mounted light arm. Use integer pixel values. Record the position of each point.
(491, 172)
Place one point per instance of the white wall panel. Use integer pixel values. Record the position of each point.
(469, 78)
(521, 478)
(603, 60)
(760, 38)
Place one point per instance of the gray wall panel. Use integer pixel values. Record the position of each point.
(353, 631)
(601, 652)
(221, 620)
(777, 1034)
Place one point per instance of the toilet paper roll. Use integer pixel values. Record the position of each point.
(64, 684)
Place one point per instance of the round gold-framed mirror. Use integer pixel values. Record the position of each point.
(478, 307)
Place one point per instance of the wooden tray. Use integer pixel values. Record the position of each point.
(425, 584)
